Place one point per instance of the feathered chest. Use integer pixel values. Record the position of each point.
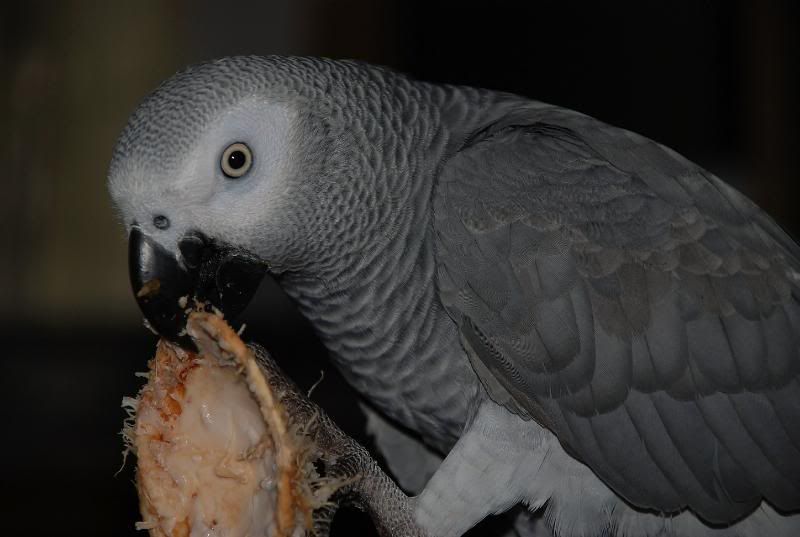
(393, 341)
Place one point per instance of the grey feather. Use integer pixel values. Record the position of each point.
(687, 298)
(602, 329)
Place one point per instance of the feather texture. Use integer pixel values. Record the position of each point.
(632, 302)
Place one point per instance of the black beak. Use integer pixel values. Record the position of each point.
(168, 284)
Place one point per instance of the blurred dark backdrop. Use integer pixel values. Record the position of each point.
(715, 80)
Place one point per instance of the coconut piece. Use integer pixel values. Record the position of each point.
(216, 452)
(228, 446)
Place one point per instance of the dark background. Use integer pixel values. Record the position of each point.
(715, 80)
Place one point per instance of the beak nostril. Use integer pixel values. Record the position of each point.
(161, 222)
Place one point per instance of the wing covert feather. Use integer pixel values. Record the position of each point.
(633, 303)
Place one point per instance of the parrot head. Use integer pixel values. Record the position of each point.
(205, 179)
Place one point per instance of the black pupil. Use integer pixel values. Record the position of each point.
(236, 159)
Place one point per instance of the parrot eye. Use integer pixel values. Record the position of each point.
(236, 160)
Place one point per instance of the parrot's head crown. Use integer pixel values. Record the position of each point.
(210, 150)
(247, 164)
(205, 177)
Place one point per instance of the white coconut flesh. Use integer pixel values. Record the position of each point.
(208, 462)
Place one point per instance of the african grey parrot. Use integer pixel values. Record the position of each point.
(579, 318)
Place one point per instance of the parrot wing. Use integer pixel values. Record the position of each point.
(634, 304)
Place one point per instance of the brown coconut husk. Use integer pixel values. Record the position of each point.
(217, 452)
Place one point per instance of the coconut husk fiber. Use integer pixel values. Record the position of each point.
(227, 446)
